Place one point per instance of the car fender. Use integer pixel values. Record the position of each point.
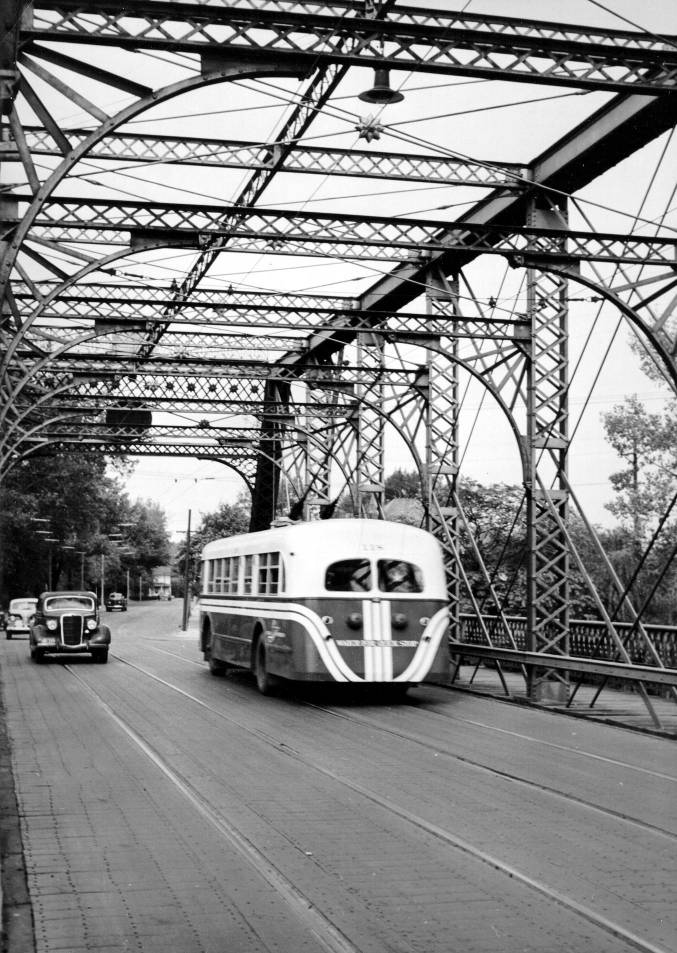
(103, 635)
(37, 632)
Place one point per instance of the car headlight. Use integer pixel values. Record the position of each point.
(52, 624)
(91, 624)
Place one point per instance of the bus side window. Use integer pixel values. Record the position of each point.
(395, 575)
(269, 573)
(248, 575)
(348, 575)
(230, 574)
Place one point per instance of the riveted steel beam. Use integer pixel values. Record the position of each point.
(236, 154)
(273, 230)
(427, 41)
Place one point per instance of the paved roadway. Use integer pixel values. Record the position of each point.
(164, 809)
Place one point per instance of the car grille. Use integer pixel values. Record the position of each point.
(71, 629)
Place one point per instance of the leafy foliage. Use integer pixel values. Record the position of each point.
(641, 547)
(77, 499)
(230, 519)
(648, 444)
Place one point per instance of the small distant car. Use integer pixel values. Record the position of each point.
(19, 617)
(116, 600)
(68, 623)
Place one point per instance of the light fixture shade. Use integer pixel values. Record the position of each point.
(381, 92)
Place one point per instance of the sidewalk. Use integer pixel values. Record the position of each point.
(624, 707)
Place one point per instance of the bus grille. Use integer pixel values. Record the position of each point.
(71, 629)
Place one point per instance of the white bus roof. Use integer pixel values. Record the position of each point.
(308, 548)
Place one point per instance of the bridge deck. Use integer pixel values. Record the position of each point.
(159, 808)
(617, 705)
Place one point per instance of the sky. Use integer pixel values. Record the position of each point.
(500, 121)
(471, 123)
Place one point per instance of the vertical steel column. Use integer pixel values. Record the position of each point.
(267, 481)
(547, 448)
(319, 440)
(369, 476)
(441, 451)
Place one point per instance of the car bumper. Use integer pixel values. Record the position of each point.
(52, 644)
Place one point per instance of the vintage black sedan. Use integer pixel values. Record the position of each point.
(116, 600)
(67, 623)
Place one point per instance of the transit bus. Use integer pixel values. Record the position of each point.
(359, 601)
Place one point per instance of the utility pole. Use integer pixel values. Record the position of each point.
(102, 592)
(186, 579)
(128, 585)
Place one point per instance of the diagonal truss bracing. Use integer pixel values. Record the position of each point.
(427, 40)
(319, 383)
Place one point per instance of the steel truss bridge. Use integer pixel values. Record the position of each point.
(102, 352)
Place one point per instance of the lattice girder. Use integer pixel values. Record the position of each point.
(425, 41)
(236, 154)
(131, 222)
(548, 598)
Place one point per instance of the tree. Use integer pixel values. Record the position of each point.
(647, 443)
(645, 494)
(231, 519)
(84, 504)
(403, 484)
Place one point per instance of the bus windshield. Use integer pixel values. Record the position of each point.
(355, 575)
(395, 575)
(348, 575)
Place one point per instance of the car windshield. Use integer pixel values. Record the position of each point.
(83, 603)
(116, 595)
(22, 605)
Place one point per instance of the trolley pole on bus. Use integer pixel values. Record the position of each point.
(186, 580)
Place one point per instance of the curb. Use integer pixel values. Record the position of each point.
(17, 933)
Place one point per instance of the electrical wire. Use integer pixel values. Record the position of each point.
(655, 36)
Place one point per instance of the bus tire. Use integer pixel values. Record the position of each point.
(216, 666)
(397, 691)
(265, 682)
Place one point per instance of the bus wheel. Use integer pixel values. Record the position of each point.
(216, 667)
(395, 692)
(265, 682)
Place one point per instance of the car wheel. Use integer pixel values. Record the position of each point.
(265, 682)
(8, 635)
(38, 656)
(100, 656)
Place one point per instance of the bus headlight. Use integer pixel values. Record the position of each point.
(399, 621)
(354, 620)
(52, 624)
